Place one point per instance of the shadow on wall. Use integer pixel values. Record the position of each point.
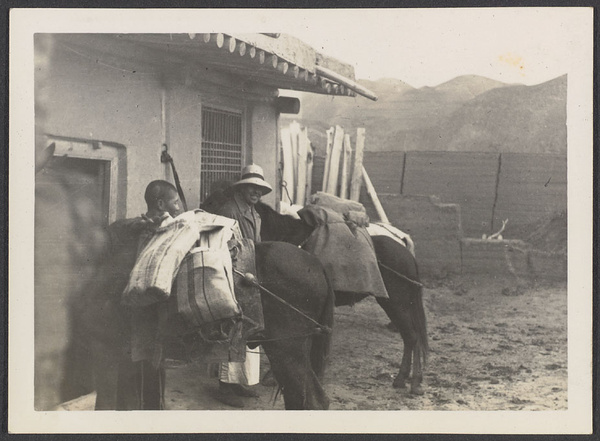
(69, 240)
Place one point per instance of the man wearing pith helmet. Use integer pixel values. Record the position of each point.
(234, 377)
(246, 194)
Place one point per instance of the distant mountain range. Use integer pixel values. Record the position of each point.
(467, 113)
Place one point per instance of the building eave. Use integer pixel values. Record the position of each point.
(281, 62)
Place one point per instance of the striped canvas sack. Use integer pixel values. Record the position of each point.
(204, 286)
(159, 258)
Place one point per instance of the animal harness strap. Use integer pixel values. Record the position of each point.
(250, 278)
(402, 276)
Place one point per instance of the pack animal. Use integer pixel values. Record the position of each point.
(401, 278)
(297, 348)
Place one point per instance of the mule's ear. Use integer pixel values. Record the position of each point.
(310, 215)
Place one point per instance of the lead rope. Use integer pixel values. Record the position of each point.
(251, 279)
(402, 276)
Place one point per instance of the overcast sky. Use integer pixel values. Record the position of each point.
(423, 47)
(426, 47)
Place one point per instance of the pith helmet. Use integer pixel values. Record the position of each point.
(253, 174)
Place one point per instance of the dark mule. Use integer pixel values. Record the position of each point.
(296, 348)
(401, 278)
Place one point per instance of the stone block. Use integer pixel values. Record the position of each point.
(548, 266)
(504, 258)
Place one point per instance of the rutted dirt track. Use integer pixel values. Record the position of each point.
(491, 348)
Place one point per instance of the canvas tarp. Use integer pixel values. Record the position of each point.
(346, 251)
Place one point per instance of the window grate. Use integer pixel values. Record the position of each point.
(221, 148)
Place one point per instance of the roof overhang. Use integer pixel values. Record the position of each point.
(272, 60)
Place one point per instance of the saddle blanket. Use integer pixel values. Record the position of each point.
(383, 229)
(345, 250)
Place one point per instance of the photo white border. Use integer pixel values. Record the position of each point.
(23, 419)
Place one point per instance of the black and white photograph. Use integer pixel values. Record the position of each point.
(350, 220)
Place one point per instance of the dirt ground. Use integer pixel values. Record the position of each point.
(492, 347)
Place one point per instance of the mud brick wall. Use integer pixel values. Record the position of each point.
(548, 266)
(530, 187)
(434, 227)
(464, 178)
(502, 258)
(385, 170)
(470, 189)
(512, 260)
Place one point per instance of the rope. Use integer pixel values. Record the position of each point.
(284, 186)
(266, 340)
(248, 277)
(165, 157)
(402, 276)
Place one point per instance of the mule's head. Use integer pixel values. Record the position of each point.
(281, 228)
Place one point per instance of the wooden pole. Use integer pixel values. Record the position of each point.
(303, 146)
(242, 49)
(327, 157)
(371, 191)
(230, 44)
(288, 167)
(283, 67)
(294, 71)
(309, 170)
(334, 165)
(294, 134)
(356, 181)
(334, 76)
(252, 51)
(346, 161)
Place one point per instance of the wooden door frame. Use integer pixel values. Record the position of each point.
(115, 156)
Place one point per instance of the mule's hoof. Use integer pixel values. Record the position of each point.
(269, 379)
(399, 384)
(227, 396)
(416, 390)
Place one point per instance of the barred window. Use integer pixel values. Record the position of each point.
(221, 148)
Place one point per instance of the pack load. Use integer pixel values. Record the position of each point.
(187, 261)
(337, 204)
(342, 243)
(159, 257)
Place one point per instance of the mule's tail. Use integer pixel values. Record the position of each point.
(321, 343)
(419, 321)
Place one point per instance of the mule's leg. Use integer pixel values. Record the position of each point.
(398, 314)
(301, 388)
(404, 371)
(417, 375)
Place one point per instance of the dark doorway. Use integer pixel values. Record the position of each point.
(71, 211)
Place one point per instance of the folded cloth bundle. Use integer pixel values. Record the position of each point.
(161, 253)
(346, 251)
(337, 204)
(159, 259)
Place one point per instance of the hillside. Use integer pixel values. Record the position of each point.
(469, 113)
(528, 119)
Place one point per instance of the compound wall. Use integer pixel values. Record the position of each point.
(489, 187)
(530, 188)
(447, 200)
(468, 179)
